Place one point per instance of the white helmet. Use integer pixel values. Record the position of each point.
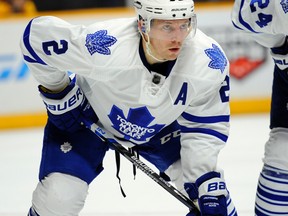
(148, 10)
(164, 9)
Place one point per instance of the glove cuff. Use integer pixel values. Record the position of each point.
(280, 55)
(208, 184)
(73, 99)
(206, 177)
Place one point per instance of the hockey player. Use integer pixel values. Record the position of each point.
(154, 82)
(266, 21)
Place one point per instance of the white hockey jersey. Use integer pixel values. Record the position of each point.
(268, 16)
(105, 57)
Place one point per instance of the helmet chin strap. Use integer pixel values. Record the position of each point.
(149, 52)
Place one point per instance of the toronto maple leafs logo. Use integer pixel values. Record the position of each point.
(66, 147)
(284, 4)
(99, 42)
(218, 59)
(136, 125)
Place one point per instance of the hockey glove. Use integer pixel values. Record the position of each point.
(68, 110)
(210, 190)
(280, 55)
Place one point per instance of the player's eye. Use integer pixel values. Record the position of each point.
(167, 28)
(185, 27)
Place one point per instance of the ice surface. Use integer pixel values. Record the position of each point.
(241, 160)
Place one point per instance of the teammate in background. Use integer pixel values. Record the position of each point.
(154, 82)
(266, 22)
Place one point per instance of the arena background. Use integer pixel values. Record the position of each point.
(251, 67)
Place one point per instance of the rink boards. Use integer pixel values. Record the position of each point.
(251, 67)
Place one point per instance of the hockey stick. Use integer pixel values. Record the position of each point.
(108, 138)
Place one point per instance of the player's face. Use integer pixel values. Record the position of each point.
(167, 36)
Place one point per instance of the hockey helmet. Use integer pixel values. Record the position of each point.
(148, 10)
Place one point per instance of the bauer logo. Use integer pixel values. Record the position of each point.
(58, 107)
(178, 9)
(11, 68)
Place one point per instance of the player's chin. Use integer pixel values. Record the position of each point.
(172, 56)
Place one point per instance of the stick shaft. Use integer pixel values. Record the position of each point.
(108, 138)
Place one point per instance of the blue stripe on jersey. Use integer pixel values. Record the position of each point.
(242, 20)
(259, 209)
(282, 178)
(206, 119)
(205, 131)
(28, 46)
(275, 196)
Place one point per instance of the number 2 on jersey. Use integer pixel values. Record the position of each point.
(224, 91)
(56, 47)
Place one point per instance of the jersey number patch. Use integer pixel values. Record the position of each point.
(264, 19)
(224, 90)
(56, 47)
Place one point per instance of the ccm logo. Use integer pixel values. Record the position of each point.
(169, 136)
(66, 104)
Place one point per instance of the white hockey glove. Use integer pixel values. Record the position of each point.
(211, 192)
(68, 110)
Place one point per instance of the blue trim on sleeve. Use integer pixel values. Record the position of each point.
(220, 136)
(209, 119)
(236, 26)
(29, 48)
(241, 20)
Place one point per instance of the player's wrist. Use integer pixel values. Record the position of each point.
(59, 94)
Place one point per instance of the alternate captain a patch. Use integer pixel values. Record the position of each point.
(99, 42)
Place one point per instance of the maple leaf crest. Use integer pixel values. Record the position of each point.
(136, 125)
(66, 147)
(284, 4)
(99, 42)
(218, 59)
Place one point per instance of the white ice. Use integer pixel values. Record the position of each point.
(241, 160)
